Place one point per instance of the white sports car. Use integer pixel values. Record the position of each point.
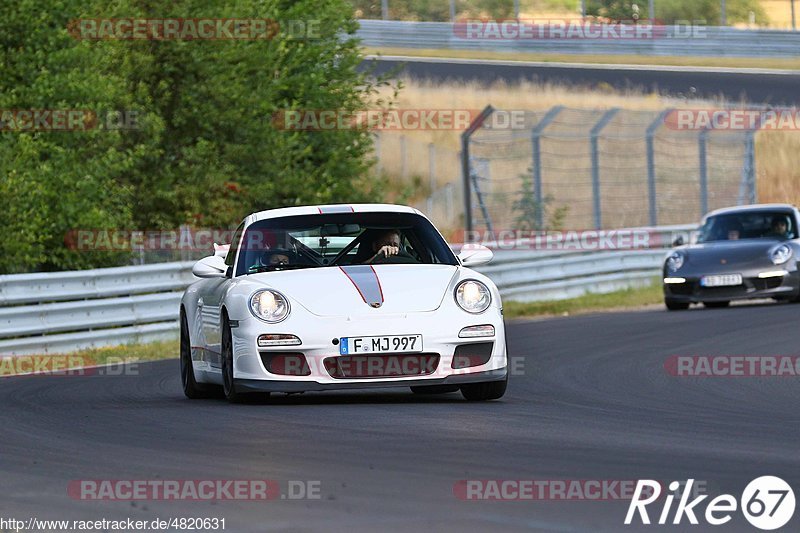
(342, 297)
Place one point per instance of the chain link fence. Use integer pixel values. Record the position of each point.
(588, 169)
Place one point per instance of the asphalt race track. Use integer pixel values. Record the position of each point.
(761, 86)
(591, 401)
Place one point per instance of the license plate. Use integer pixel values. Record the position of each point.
(726, 280)
(381, 344)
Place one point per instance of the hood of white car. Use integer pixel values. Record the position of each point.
(358, 289)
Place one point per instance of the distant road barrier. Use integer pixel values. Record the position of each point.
(710, 41)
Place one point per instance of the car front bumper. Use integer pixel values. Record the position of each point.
(275, 385)
(752, 287)
(439, 337)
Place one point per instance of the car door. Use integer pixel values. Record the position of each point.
(211, 302)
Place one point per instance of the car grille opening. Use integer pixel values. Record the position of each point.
(285, 363)
(767, 283)
(475, 354)
(682, 289)
(381, 365)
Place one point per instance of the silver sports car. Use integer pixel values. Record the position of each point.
(740, 253)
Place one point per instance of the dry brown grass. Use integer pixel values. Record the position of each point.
(778, 166)
(780, 13)
(777, 153)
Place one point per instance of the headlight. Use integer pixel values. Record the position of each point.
(781, 254)
(473, 296)
(675, 262)
(269, 305)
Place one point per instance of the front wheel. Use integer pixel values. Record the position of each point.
(191, 388)
(672, 305)
(228, 383)
(481, 392)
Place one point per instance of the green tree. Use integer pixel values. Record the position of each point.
(54, 182)
(439, 11)
(670, 11)
(205, 150)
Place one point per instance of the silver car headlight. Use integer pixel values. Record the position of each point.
(781, 254)
(268, 305)
(473, 296)
(675, 261)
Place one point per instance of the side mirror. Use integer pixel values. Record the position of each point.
(212, 266)
(475, 255)
(678, 241)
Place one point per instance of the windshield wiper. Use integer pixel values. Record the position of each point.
(272, 268)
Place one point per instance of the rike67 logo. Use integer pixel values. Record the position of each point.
(767, 503)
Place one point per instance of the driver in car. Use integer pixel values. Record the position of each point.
(779, 228)
(386, 244)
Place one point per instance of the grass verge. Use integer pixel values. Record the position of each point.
(153, 351)
(624, 299)
(674, 61)
(110, 355)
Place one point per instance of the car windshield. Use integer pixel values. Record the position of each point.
(315, 241)
(749, 225)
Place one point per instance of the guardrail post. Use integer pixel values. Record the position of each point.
(594, 135)
(466, 171)
(536, 135)
(702, 140)
(651, 165)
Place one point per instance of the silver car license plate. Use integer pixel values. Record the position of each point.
(724, 280)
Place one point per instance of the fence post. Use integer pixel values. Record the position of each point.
(448, 202)
(536, 135)
(431, 178)
(651, 165)
(378, 162)
(747, 189)
(485, 164)
(466, 171)
(594, 135)
(702, 140)
(403, 165)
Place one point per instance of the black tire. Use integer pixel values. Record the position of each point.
(716, 305)
(228, 383)
(672, 305)
(481, 392)
(434, 389)
(191, 388)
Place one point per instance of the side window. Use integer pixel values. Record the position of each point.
(230, 259)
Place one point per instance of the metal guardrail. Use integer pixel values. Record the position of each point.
(573, 274)
(65, 311)
(673, 41)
